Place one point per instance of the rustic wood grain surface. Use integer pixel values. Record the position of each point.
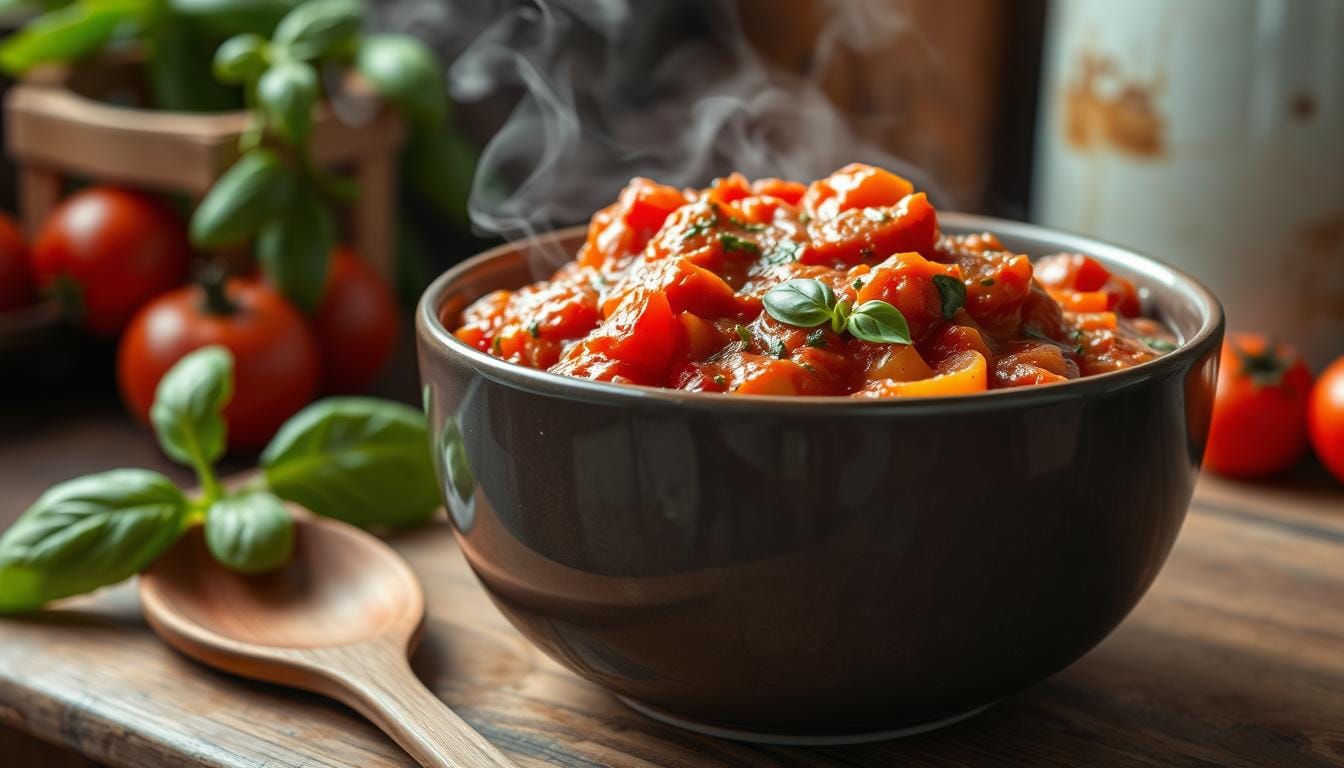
(1235, 658)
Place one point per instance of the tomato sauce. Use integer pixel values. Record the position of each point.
(695, 290)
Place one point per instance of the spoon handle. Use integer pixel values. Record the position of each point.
(390, 695)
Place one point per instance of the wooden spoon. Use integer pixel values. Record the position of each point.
(339, 620)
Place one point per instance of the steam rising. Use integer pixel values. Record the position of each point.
(609, 90)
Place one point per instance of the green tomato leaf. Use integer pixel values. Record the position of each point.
(359, 460)
(88, 533)
(241, 59)
(179, 63)
(251, 532)
(953, 293)
(188, 405)
(878, 322)
(69, 33)
(287, 93)
(318, 27)
(246, 197)
(295, 249)
(405, 72)
(805, 303)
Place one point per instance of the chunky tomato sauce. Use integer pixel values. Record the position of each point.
(698, 290)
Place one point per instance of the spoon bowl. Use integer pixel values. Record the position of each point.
(339, 619)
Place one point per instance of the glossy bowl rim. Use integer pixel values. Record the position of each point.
(433, 334)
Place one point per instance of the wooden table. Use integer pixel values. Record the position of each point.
(1235, 658)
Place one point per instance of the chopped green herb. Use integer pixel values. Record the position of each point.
(817, 339)
(777, 349)
(1160, 345)
(534, 328)
(703, 224)
(1078, 350)
(858, 284)
(733, 243)
(743, 333)
(953, 293)
(988, 281)
(1036, 334)
(740, 224)
(720, 380)
(496, 344)
(809, 369)
(784, 252)
(803, 218)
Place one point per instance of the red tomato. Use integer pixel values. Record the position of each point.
(869, 235)
(1326, 418)
(109, 251)
(16, 281)
(1259, 422)
(853, 187)
(356, 324)
(276, 361)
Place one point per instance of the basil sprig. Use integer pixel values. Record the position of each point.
(808, 303)
(952, 292)
(355, 459)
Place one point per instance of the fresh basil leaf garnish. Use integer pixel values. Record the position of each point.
(360, 460)
(250, 532)
(188, 410)
(952, 292)
(804, 303)
(88, 533)
(879, 322)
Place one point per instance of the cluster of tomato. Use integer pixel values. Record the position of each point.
(119, 262)
(1268, 410)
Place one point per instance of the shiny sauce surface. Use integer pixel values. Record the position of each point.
(669, 290)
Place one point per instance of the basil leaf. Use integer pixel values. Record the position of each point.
(287, 93)
(88, 533)
(359, 460)
(250, 532)
(188, 404)
(241, 59)
(69, 33)
(804, 303)
(953, 293)
(1158, 345)
(878, 322)
(318, 27)
(405, 72)
(247, 196)
(295, 249)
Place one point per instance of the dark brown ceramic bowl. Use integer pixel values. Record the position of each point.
(818, 569)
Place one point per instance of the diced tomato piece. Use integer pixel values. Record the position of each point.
(728, 189)
(905, 281)
(1071, 272)
(755, 209)
(790, 192)
(702, 337)
(872, 234)
(647, 205)
(996, 291)
(1095, 321)
(642, 331)
(694, 289)
(1081, 301)
(853, 187)
(951, 340)
(761, 375)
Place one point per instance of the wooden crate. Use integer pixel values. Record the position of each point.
(62, 123)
